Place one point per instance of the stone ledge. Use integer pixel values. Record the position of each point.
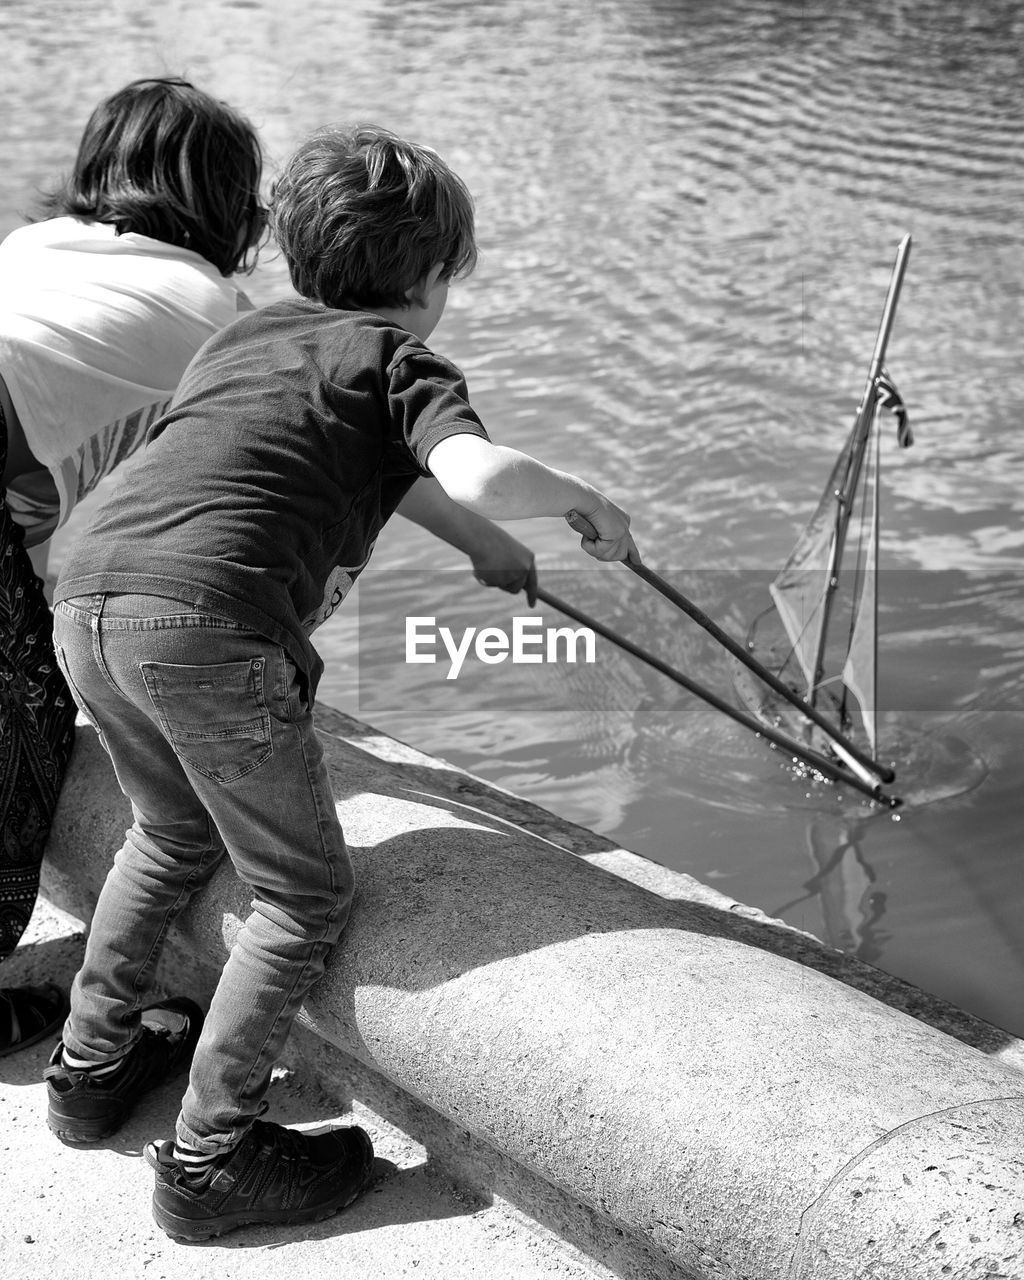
(681, 1074)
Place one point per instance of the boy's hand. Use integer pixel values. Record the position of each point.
(604, 532)
(498, 559)
(513, 570)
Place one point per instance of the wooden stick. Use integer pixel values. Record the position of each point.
(810, 757)
(885, 774)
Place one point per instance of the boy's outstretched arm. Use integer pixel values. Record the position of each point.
(498, 559)
(504, 484)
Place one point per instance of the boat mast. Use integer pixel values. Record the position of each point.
(859, 437)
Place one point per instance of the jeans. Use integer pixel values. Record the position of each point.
(213, 743)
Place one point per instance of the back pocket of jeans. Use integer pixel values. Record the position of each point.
(215, 717)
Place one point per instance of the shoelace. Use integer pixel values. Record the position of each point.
(289, 1144)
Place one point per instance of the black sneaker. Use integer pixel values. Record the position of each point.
(274, 1175)
(84, 1110)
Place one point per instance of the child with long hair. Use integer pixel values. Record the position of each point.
(103, 303)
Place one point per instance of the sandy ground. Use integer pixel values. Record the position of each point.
(75, 1214)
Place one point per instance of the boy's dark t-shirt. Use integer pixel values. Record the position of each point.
(294, 434)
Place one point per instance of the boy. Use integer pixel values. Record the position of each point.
(183, 623)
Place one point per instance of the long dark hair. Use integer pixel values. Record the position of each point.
(163, 159)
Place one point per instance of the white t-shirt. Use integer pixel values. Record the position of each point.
(96, 330)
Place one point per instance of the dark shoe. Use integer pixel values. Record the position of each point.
(274, 1175)
(30, 1014)
(83, 1110)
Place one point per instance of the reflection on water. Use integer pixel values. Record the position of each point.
(687, 217)
(852, 904)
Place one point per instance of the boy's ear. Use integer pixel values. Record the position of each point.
(418, 294)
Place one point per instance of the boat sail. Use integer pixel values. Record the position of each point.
(827, 607)
(805, 592)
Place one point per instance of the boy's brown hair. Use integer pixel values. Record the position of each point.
(361, 215)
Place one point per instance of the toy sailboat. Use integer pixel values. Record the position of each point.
(820, 637)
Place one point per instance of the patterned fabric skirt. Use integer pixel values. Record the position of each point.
(37, 726)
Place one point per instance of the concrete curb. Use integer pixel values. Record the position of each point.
(710, 1106)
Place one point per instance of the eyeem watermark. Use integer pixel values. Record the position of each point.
(530, 641)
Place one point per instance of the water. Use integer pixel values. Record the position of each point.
(687, 216)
